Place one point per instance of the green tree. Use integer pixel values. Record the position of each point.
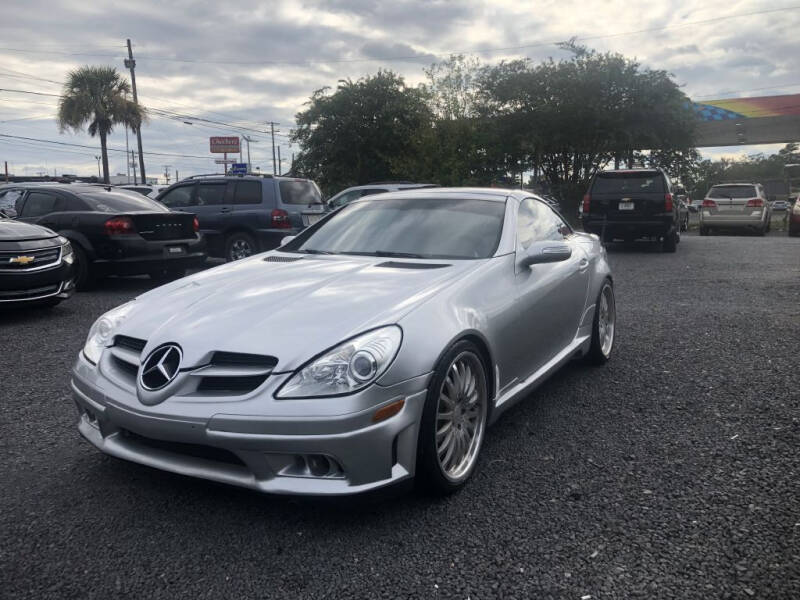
(359, 133)
(97, 98)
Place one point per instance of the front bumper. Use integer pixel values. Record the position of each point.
(34, 286)
(263, 453)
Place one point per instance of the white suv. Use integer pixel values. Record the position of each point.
(353, 193)
(736, 205)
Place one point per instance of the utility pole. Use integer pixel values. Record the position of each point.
(247, 139)
(177, 178)
(133, 164)
(127, 149)
(131, 64)
(97, 158)
(280, 162)
(166, 173)
(272, 131)
(6, 171)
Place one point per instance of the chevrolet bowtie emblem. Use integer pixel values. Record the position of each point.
(22, 260)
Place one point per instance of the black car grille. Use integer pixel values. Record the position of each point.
(130, 343)
(193, 450)
(25, 260)
(30, 294)
(234, 374)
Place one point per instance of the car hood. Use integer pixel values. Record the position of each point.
(290, 310)
(14, 231)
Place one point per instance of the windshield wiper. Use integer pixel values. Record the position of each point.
(315, 251)
(387, 254)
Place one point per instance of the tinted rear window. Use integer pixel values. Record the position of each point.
(628, 183)
(732, 191)
(299, 192)
(121, 202)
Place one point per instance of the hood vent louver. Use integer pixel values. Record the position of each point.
(391, 264)
(282, 259)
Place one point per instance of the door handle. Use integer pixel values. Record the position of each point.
(225, 209)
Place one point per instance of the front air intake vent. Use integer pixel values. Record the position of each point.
(282, 259)
(130, 343)
(238, 359)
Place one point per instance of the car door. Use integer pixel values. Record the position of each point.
(212, 205)
(551, 297)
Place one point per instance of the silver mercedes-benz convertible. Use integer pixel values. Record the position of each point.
(375, 346)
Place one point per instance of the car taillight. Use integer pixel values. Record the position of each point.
(196, 225)
(709, 203)
(587, 203)
(119, 225)
(280, 219)
(755, 202)
(667, 202)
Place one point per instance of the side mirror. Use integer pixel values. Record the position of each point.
(286, 239)
(546, 252)
(9, 212)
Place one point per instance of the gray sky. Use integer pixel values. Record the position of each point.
(246, 62)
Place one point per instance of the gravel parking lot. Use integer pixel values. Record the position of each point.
(672, 472)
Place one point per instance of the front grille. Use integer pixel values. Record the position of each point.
(27, 260)
(233, 385)
(130, 343)
(30, 294)
(129, 369)
(193, 450)
(235, 358)
(234, 373)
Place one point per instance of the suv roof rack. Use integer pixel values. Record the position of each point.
(390, 183)
(206, 175)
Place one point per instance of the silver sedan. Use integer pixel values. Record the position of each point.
(375, 346)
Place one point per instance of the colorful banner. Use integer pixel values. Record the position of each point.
(747, 108)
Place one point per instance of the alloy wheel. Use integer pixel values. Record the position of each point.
(461, 416)
(607, 320)
(240, 249)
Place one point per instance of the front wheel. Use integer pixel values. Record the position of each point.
(453, 420)
(604, 326)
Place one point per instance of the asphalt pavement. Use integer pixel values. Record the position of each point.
(671, 472)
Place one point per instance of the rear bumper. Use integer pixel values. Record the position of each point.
(19, 288)
(709, 219)
(626, 229)
(137, 256)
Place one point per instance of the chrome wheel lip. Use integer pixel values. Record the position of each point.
(460, 417)
(240, 249)
(606, 321)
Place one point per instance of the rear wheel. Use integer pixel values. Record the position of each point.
(453, 420)
(604, 326)
(239, 245)
(670, 242)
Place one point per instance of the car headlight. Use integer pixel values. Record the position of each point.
(67, 255)
(347, 368)
(101, 331)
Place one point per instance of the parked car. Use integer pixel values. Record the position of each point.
(695, 205)
(145, 189)
(353, 356)
(683, 214)
(359, 191)
(36, 264)
(794, 218)
(736, 205)
(631, 204)
(112, 231)
(241, 215)
(780, 205)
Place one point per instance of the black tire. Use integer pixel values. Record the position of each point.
(167, 275)
(685, 224)
(85, 279)
(239, 245)
(597, 355)
(430, 472)
(703, 230)
(670, 242)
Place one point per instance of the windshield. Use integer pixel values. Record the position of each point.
(412, 228)
(300, 192)
(119, 201)
(628, 183)
(732, 191)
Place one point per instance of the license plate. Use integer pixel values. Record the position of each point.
(175, 250)
(626, 205)
(311, 219)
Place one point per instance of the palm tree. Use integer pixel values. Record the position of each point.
(98, 96)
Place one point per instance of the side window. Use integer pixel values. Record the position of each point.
(9, 198)
(38, 204)
(347, 198)
(70, 204)
(179, 196)
(247, 192)
(537, 222)
(209, 194)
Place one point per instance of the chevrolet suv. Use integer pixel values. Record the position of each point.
(240, 215)
(631, 204)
